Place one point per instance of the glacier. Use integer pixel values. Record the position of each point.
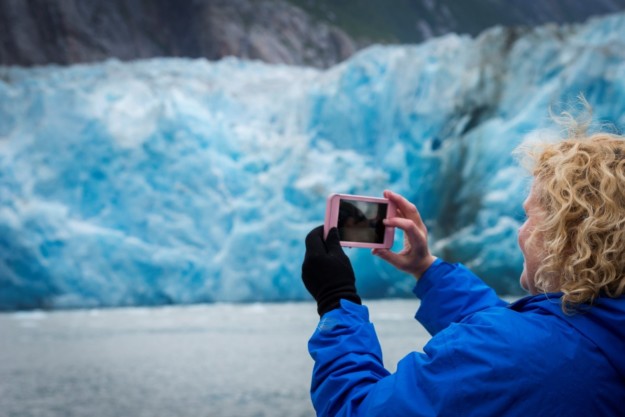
(169, 181)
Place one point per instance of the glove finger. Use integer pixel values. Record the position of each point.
(333, 242)
(314, 241)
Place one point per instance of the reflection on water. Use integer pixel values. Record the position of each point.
(210, 360)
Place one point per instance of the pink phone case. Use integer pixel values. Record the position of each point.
(332, 216)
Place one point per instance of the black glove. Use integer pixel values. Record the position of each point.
(327, 272)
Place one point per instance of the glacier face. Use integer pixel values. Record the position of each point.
(181, 181)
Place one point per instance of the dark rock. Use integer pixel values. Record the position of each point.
(37, 32)
(295, 32)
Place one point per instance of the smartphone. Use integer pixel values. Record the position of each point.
(359, 220)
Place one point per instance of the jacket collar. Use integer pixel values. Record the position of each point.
(603, 323)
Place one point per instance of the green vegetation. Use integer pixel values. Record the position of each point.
(370, 20)
(399, 21)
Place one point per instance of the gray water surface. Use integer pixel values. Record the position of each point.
(216, 360)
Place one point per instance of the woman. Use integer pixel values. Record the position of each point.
(558, 352)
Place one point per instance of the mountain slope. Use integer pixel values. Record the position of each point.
(317, 33)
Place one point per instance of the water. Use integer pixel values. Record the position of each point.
(205, 360)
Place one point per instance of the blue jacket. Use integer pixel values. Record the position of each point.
(485, 357)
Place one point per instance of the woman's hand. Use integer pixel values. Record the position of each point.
(415, 257)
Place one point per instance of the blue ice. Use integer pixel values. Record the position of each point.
(185, 181)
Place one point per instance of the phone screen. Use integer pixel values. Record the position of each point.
(361, 221)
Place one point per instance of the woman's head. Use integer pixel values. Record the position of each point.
(577, 242)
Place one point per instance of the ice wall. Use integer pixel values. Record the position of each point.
(180, 181)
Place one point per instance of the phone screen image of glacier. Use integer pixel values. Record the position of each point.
(361, 221)
(213, 360)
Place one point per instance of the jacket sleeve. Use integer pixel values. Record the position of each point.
(465, 370)
(349, 378)
(449, 293)
(348, 360)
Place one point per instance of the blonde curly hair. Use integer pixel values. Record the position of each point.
(580, 185)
